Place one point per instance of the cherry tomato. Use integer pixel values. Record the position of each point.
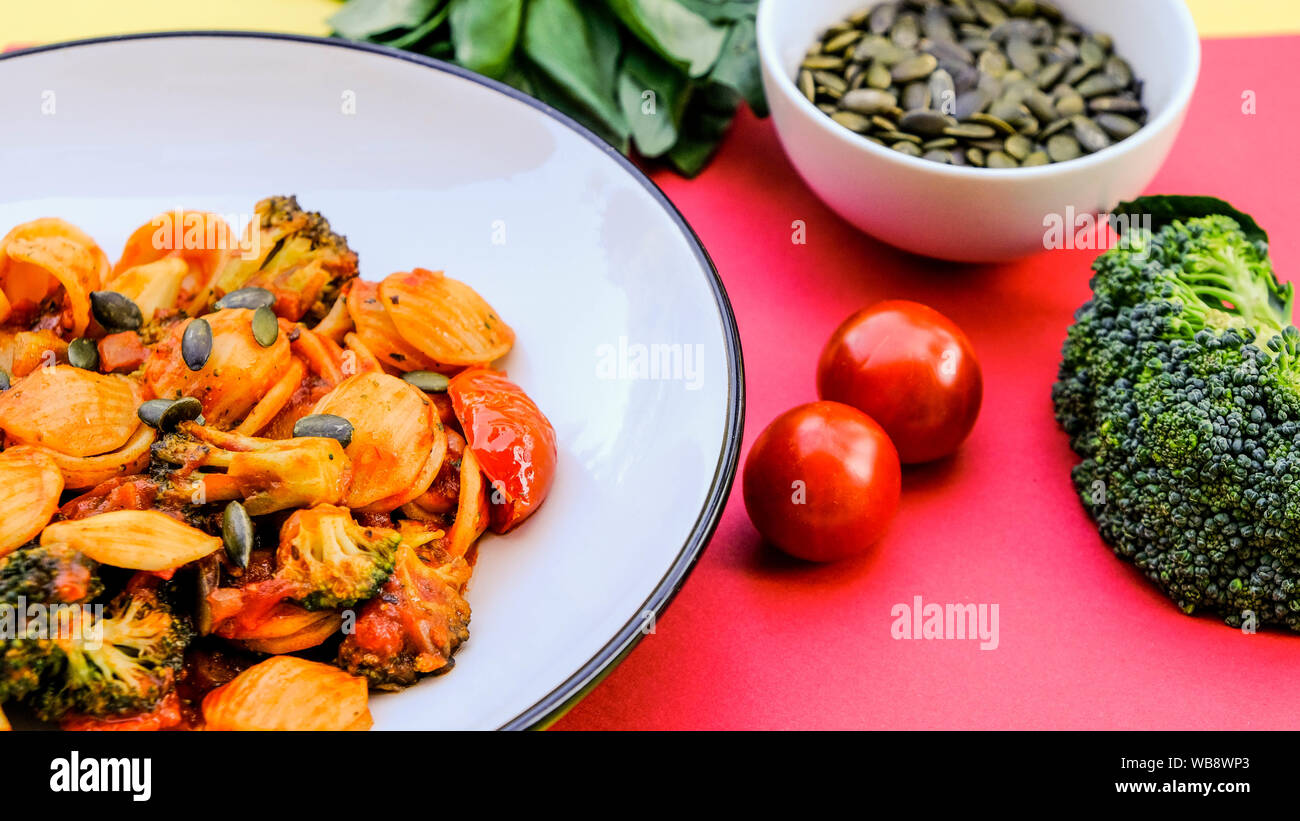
(822, 482)
(909, 368)
(512, 440)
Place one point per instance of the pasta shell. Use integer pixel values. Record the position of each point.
(289, 693)
(74, 411)
(201, 241)
(291, 632)
(238, 371)
(392, 434)
(22, 352)
(444, 318)
(133, 539)
(32, 484)
(39, 257)
(427, 474)
(81, 472)
(471, 508)
(377, 332)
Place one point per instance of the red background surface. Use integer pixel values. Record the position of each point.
(757, 640)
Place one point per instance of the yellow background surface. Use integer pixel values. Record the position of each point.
(43, 21)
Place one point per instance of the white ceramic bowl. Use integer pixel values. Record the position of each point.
(977, 214)
(422, 163)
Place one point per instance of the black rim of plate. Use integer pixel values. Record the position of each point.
(556, 703)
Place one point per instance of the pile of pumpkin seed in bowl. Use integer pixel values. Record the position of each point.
(984, 83)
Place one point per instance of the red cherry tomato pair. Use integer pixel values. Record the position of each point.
(899, 383)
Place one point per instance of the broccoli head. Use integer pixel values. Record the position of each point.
(297, 258)
(48, 574)
(413, 627)
(122, 662)
(335, 561)
(1179, 389)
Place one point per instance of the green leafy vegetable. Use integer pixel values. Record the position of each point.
(485, 33)
(662, 76)
(1165, 209)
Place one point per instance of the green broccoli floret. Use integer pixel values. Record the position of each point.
(414, 626)
(36, 575)
(121, 663)
(298, 258)
(47, 574)
(1179, 389)
(335, 561)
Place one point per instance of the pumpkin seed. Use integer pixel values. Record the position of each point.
(1117, 125)
(904, 147)
(1063, 147)
(1019, 146)
(936, 24)
(1035, 159)
(990, 12)
(1023, 55)
(900, 137)
(114, 311)
(251, 298)
(914, 68)
(1118, 69)
(925, 122)
(916, 95)
(947, 51)
(1054, 127)
(1050, 74)
(842, 41)
(427, 381)
(237, 533)
(1091, 54)
(970, 103)
(878, 76)
(83, 353)
(1098, 85)
(185, 409)
(325, 425)
(196, 344)
(1071, 105)
(150, 411)
(975, 156)
(938, 155)
(807, 86)
(868, 101)
(852, 121)
(266, 328)
(997, 123)
(970, 131)
(940, 143)
(1040, 105)
(823, 62)
(906, 31)
(831, 81)
(943, 91)
(992, 63)
(882, 18)
(1089, 134)
(1076, 74)
(1001, 159)
(1117, 105)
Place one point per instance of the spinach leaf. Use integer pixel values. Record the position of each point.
(360, 19)
(738, 66)
(1166, 209)
(723, 11)
(673, 31)
(653, 96)
(485, 33)
(559, 42)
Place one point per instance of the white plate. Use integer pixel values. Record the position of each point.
(422, 164)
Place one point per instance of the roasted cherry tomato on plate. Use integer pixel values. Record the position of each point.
(822, 482)
(512, 440)
(909, 368)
